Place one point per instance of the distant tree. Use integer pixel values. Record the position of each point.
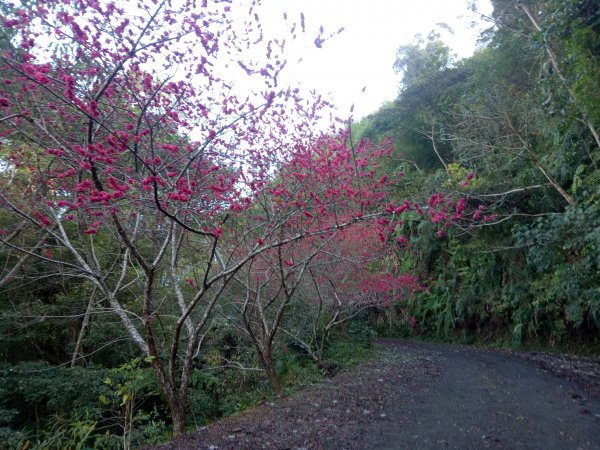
(421, 59)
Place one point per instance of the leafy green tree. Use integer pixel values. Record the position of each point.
(513, 127)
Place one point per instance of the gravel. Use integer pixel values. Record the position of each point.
(422, 395)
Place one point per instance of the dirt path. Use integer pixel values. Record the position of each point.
(423, 396)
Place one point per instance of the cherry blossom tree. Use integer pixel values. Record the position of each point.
(119, 130)
(354, 272)
(119, 126)
(322, 190)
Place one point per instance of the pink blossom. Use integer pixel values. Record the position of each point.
(460, 207)
(45, 221)
(477, 214)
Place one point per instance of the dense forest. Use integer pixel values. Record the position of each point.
(173, 251)
(514, 131)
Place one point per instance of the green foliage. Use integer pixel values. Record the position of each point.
(359, 330)
(204, 403)
(134, 386)
(348, 352)
(74, 432)
(520, 114)
(42, 401)
(59, 407)
(457, 175)
(563, 259)
(546, 287)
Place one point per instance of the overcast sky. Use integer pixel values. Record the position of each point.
(362, 56)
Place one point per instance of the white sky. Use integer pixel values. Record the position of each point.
(364, 53)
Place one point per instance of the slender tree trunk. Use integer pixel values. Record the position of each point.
(177, 401)
(432, 137)
(534, 158)
(177, 406)
(266, 357)
(78, 351)
(569, 199)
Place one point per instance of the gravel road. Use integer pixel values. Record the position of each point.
(427, 396)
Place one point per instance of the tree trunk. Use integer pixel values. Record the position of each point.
(178, 414)
(78, 352)
(266, 356)
(570, 200)
(176, 401)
